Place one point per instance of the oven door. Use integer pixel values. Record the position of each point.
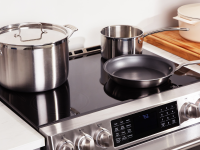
(188, 138)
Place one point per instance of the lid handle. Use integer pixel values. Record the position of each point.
(26, 24)
(186, 20)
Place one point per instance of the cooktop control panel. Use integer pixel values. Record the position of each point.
(145, 123)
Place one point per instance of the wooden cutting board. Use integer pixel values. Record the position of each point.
(172, 42)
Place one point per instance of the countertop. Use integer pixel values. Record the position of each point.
(170, 56)
(16, 134)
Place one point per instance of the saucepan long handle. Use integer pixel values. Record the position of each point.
(187, 63)
(165, 29)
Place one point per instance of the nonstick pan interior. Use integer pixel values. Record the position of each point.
(139, 67)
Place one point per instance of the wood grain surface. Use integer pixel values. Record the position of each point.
(172, 42)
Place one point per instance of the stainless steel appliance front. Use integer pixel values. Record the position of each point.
(94, 128)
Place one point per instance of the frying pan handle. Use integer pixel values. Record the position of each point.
(187, 63)
(165, 29)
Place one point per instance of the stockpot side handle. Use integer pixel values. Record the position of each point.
(73, 28)
(187, 63)
(165, 29)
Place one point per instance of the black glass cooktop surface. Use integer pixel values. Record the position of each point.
(88, 89)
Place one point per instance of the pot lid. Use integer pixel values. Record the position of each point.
(190, 10)
(32, 34)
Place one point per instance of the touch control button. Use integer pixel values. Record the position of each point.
(163, 125)
(117, 135)
(124, 138)
(122, 127)
(118, 140)
(173, 121)
(123, 133)
(121, 122)
(128, 125)
(116, 129)
(161, 115)
(130, 136)
(167, 113)
(168, 118)
(116, 124)
(129, 130)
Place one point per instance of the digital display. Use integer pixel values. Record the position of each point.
(145, 123)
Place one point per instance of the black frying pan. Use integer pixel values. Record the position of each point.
(141, 71)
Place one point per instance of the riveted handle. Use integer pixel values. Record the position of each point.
(187, 63)
(73, 28)
(165, 29)
(141, 39)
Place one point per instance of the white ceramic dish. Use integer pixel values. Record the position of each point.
(189, 17)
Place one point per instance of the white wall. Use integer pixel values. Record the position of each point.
(90, 16)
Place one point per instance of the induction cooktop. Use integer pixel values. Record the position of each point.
(87, 89)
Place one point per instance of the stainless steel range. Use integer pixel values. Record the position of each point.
(90, 111)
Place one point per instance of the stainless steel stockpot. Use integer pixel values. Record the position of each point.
(124, 39)
(34, 56)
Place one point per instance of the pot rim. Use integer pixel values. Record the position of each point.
(186, 17)
(185, 6)
(13, 27)
(31, 46)
(120, 37)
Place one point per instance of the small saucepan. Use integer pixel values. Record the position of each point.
(141, 71)
(124, 39)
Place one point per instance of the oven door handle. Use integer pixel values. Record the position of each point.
(187, 145)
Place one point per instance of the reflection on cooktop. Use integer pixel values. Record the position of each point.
(124, 93)
(40, 108)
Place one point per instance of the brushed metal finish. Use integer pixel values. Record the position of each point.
(103, 138)
(188, 145)
(34, 68)
(65, 144)
(166, 29)
(180, 140)
(84, 142)
(89, 122)
(188, 63)
(190, 110)
(73, 28)
(124, 39)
